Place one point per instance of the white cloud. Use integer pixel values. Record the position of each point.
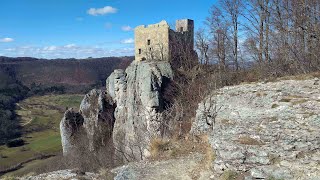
(9, 49)
(102, 11)
(6, 40)
(66, 51)
(128, 41)
(126, 28)
(50, 48)
(70, 46)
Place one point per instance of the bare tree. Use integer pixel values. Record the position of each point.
(202, 45)
(233, 9)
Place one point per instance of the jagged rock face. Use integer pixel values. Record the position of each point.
(91, 127)
(125, 117)
(269, 129)
(97, 111)
(137, 95)
(70, 127)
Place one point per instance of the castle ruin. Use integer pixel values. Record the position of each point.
(160, 42)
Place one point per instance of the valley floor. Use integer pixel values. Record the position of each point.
(40, 118)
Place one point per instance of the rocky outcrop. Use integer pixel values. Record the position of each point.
(271, 130)
(62, 175)
(125, 116)
(70, 128)
(137, 93)
(186, 168)
(91, 127)
(97, 110)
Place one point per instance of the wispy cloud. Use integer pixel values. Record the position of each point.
(66, 51)
(126, 28)
(50, 48)
(128, 41)
(70, 46)
(6, 40)
(102, 11)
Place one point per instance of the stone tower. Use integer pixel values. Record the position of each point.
(186, 26)
(159, 42)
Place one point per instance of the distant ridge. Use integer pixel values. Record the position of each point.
(76, 75)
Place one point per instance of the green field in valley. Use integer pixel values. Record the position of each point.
(40, 118)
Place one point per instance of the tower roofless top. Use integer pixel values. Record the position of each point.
(159, 42)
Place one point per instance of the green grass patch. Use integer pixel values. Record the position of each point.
(40, 118)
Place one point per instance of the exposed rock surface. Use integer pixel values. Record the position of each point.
(271, 130)
(137, 93)
(91, 127)
(62, 175)
(186, 168)
(128, 113)
(70, 127)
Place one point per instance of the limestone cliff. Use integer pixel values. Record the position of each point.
(90, 128)
(271, 130)
(124, 116)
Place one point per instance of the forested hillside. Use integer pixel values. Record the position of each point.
(11, 91)
(69, 75)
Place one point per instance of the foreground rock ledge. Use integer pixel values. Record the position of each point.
(268, 129)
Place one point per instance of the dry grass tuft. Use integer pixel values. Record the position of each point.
(301, 101)
(229, 175)
(261, 94)
(274, 158)
(210, 155)
(285, 100)
(106, 174)
(9, 178)
(301, 76)
(159, 146)
(161, 149)
(249, 141)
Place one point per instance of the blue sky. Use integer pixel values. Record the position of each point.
(85, 28)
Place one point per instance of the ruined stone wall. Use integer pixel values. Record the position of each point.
(152, 42)
(186, 27)
(159, 42)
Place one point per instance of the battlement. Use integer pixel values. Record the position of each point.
(163, 23)
(158, 41)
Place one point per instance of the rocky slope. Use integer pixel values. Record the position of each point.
(259, 130)
(124, 117)
(186, 168)
(271, 130)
